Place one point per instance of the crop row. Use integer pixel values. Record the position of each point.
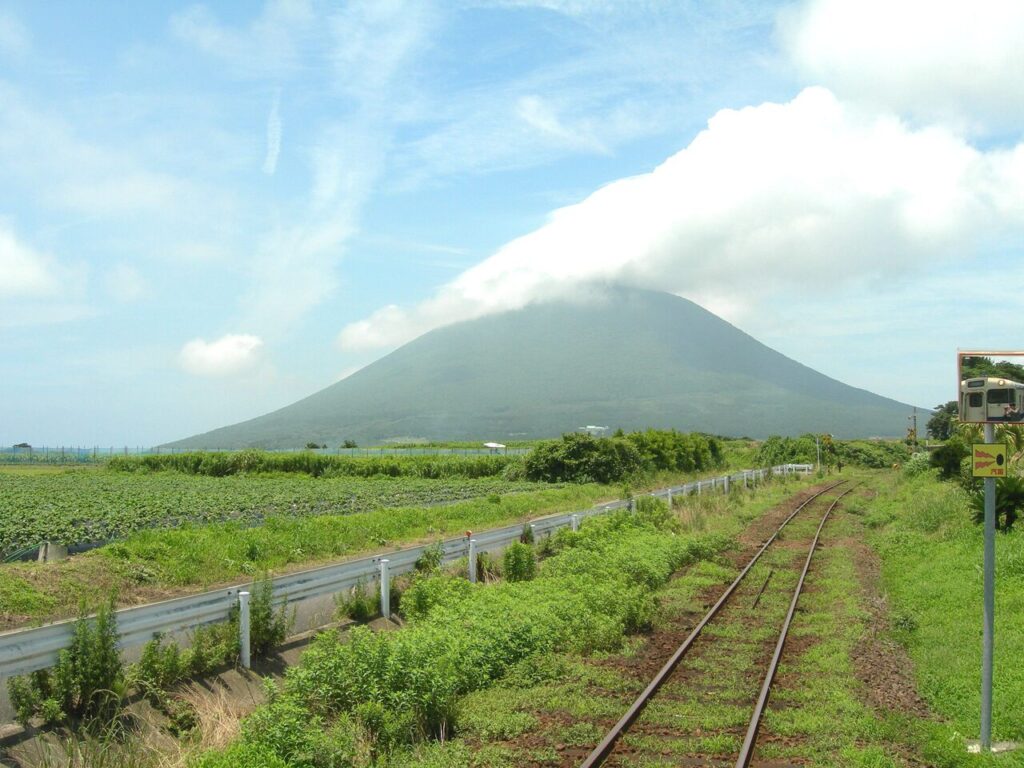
(85, 506)
(223, 463)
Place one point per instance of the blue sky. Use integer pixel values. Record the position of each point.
(211, 210)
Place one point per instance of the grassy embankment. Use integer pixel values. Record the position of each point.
(932, 559)
(473, 654)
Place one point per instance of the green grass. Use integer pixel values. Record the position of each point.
(932, 557)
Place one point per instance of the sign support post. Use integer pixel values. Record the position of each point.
(990, 604)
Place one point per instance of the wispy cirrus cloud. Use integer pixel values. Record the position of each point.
(368, 49)
(278, 42)
(273, 136)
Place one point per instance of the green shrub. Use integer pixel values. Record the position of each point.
(917, 464)
(212, 647)
(947, 458)
(1009, 502)
(361, 604)
(581, 458)
(430, 560)
(519, 563)
(88, 681)
(161, 665)
(424, 593)
(241, 755)
(285, 729)
(267, 628)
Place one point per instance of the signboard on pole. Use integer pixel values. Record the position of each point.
(990, 391)
(991, 386)
(988, 460)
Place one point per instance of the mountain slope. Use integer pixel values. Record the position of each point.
(633, 359)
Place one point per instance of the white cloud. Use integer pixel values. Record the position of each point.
(230, 354)
(792, 198)
(24, 272)
(15, 41)
(934, 59)
(126, 284)
(273, 137)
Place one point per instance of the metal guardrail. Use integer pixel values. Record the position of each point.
(26, 650)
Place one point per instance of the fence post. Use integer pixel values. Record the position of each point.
(385, 589)
(472, 561)
(574, 523)
(243, 629)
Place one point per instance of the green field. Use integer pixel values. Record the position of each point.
(932, 555)
(84, 505)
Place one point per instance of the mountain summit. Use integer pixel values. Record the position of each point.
(630, 359)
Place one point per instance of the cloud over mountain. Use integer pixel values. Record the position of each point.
(792, 197)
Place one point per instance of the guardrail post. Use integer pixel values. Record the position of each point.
(533, 532)
(670, 499)
(699, 484)
(472, 561)
(385, 589)
(632, 504)
(574, 523)
(744, 478)
(243, 630)
(726, 485)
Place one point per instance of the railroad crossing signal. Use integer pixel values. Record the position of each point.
(988, 460)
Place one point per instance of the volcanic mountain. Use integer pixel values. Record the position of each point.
(631, 359)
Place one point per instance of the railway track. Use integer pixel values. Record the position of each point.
(710, 661)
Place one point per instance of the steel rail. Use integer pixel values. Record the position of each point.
(604, 748)
(747, 750)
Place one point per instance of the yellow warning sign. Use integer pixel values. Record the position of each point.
(989, 460)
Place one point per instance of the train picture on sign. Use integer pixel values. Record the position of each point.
(991, 387)
(988, 399)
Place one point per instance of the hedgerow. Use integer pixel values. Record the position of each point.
(224, 463)
(582, 458)
(874, 454)
(400, 687)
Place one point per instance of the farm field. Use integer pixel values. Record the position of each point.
(74, 506)
(609, 581)
(530, 669)
(160, 562)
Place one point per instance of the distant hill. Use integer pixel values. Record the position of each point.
(635, 359)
